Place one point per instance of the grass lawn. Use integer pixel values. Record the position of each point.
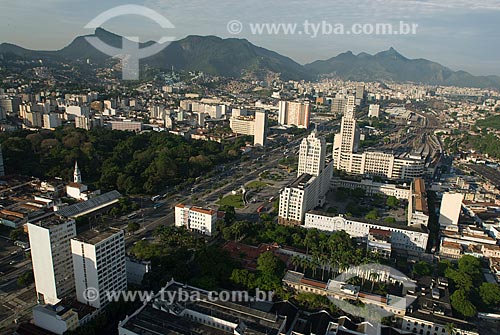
(232, 200)
(256, 184)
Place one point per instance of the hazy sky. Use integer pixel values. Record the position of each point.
(461, 34)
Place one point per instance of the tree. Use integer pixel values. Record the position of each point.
(422, 269)
(269, 264)
(372, 215)
(133, 226)
(15, 234)
(392, 202)
(461, 303)
(490, 294)
(25, 279)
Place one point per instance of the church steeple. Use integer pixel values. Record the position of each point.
(77, 176)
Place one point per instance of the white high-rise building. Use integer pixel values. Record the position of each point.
(374, 163)
(313, 182)
(260, 128)
(251, 125)
(292, 113)
(374, 110)
(99, 265)
(449, 213)
(51, 257)
(312, 155)
(2, 167)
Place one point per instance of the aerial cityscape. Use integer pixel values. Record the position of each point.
(205, 185)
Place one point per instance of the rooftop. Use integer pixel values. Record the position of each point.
(86, 207)
(95, 236)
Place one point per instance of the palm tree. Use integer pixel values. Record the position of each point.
(296, 261)
(373, 277)
(450, 329)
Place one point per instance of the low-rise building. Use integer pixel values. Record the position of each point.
(196, 219)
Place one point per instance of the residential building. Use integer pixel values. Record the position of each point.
(51, 121)
(196, 219)
(126, 125)
(83, 122)
(2, 167)
(99, 265)
(293, 113)
(10, 105)
(255, 126)
(51, 257)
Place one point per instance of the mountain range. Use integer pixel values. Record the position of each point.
(238, 57)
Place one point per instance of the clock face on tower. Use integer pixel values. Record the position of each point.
(339, 221)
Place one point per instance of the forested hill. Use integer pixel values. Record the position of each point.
(131, 163)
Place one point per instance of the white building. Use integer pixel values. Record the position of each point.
(412, 239)
(255, 126)
(449, 213)
(312, 155)
(373, 163)
(293, 113)
(374, 111)
(83, 122)
(51, 121)
(313, 182)
(51, 257)
(56, 319)
(260, 129)
(402, 192)
(74, 111)
(126, 125)
(99, 265)
(196, 219)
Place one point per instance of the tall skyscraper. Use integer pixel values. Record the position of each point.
(360, 92)
(374, 163)
(51, 257)
(260, 128)
(292, 113)
(346, 142)
(312, 155)
(99, 265)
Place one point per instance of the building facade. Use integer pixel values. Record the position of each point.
(99, 265)
(51, 257)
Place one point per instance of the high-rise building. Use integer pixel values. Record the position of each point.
(292, 113)
(51, 121)
(260, 128)
(374, 110)
(255, 126)
(449, 213)
(51, 257)
(99, 265)
(83, 122)
(338, 105)
(374, 163)
(10, 105)
(313, 181)
(312, 155)
(360, 92)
